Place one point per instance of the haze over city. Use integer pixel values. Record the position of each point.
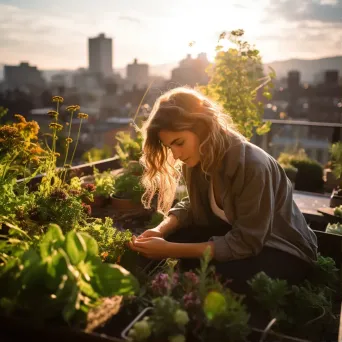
(53, 35)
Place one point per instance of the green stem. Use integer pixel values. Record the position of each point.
(57, 112)
(78, 136)
(55, 132)
(73, 154)
(67, 149)
(8, 165)
(54, 141)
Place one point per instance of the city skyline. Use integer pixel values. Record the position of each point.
(55, 36)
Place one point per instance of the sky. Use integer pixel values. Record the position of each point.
(54, 34)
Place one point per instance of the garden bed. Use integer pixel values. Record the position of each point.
(63, 258)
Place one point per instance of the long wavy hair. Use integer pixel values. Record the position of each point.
(177, 110)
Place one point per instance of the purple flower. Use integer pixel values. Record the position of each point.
(192, 277)
(161, 283)
(190, 300)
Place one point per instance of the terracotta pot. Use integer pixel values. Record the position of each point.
(99, 201)
(123, 204)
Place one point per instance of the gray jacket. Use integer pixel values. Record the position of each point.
(257, 199)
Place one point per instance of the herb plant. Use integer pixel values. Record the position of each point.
(63, 278)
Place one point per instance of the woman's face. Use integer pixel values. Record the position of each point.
(184, 145)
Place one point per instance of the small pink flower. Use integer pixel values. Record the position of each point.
(190, 300)
(161, 283)
(192, 277)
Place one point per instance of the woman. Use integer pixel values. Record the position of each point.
(239, 202)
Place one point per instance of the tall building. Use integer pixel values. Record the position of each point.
(100, 51)
(17, 76)
(137, 74)
(191, 71)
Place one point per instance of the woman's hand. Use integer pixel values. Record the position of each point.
(151, 247)
(154, 232)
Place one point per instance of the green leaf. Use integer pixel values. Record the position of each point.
(71, 307)
(52, 240)
(86, 268)
(264, 128)
(56, 268)
(110, 280)
(75, 247)
(87, 289)
(32, 269)
(91, 243)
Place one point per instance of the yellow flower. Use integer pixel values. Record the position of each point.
(69, 140)
(57, 154)
(20, 118)
(36, 150)
(53, 113)
(56, 126)
(57, 99)
(73, 108)
(82, 116)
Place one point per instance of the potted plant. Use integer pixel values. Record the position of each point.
(104, 187)
(127, 191)
(101, 185)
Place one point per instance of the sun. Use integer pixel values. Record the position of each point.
(194, 34)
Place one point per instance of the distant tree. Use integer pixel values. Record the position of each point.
(236, 82)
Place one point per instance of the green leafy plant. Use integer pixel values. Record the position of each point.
(63, 278)
(112, 242)
(338, 211)
(305, 309)
(236, 77)
(127, 185)
(334, 228)
(309, 176)
(336, 154)
(104, 183)
(167, 321)
(128, 148)
(61, 208)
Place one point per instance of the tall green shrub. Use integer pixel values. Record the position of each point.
(235, 80)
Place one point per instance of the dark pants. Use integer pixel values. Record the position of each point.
(275, 263)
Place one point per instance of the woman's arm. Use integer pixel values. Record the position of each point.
(190, 250)
(158, 248)
(168, 225)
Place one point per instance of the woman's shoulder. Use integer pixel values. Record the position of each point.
(245, 157)
(256, 156)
